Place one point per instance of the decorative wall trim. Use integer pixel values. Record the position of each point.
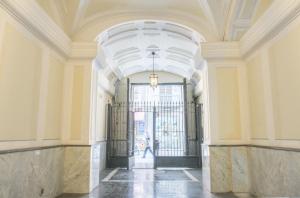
(210, 50)
(34, 18)
(41, 148)
(39, 23)
(220, 50)
(275, 19)
(86, 50)
(28, 149)
(257, 146)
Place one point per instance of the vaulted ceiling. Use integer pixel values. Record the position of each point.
(216, 20)
(128, 31)
(127, 48)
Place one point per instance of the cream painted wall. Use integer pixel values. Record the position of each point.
(229, 126)
(54, 99)
(284, 57)
(256, 98)
(31, 83)
(77, 102)
(273, 78)
(19, 85)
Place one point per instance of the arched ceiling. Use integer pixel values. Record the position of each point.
(216, 20)
(126, 48)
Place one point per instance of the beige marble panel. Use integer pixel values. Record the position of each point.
(102, 156)
(31, 174)
(205, 167)
(240, 170)
(98, 163)
(77, 169)
(95, 166)
(220, 169)
(274, 172)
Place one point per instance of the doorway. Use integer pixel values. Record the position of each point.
(155, 128)
(158, 122)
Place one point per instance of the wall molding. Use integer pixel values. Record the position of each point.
(18, 150)
(34, 18)
(275, 19)
(83, 50)
(31, 16)
(256, 146)
(209, 50)
(220, 50)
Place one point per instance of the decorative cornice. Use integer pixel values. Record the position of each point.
(39, 23)
(209, 50)
(18, 150)
(276, 18)
(34, 18)
(220, 50)
(86, 50)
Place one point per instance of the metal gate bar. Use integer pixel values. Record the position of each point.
(175, 136)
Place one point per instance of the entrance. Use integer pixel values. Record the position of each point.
(157, 128)
(159, 123)
(143, 141)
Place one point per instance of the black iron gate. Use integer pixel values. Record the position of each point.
(176, 131)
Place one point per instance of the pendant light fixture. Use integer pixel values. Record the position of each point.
(153, 77)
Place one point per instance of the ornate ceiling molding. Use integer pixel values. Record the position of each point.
(127, 47)
(240, 18)
(209, 50)
(221, 50)
(114, 18)
(39, 23)
(274, 20)
(80, 13)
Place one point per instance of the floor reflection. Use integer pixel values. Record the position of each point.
(150, 183)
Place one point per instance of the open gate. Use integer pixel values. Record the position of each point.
(176, 132)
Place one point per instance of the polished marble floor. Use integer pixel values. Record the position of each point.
(148, 183)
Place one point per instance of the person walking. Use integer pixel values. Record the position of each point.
(147, 148)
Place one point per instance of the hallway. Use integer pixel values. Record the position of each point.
(90, 85)
(147, 183)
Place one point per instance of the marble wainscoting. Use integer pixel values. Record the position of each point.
(98, 163)
(82, 167)
(229, 170)
(274, 172)
(205, 167)
(33, 173)
(77, 169)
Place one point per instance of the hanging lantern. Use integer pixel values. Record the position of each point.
(153, 80)
(153, 77)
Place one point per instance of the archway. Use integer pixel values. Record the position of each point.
(125, 49)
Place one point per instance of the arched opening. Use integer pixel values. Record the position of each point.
(167, 121)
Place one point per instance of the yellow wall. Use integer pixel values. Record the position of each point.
(77, 102)
(284, 59)
(31, 87)
(54, 99)
(283, 75)
(256, 98)
(229, 126)
(20, 68)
